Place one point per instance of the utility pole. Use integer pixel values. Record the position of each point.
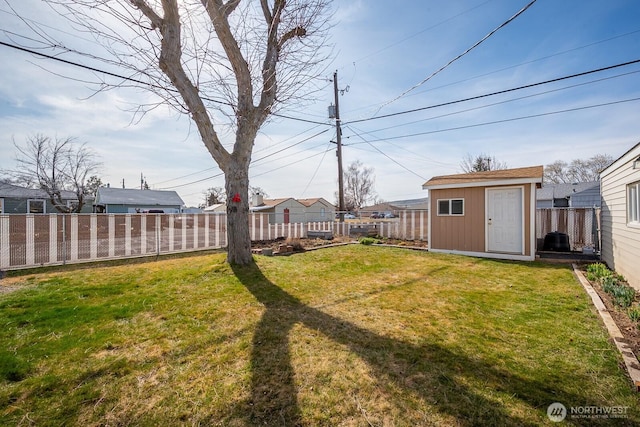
(339, 151)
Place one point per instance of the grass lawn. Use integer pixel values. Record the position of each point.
(354, 336)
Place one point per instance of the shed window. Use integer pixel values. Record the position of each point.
(451, 207)
(36, 206)
(633, 203)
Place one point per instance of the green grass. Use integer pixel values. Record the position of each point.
(355, 335)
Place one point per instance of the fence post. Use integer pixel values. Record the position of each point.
(158, 232)
(5, 242)
(127, 234)
(53, 238)
(93, 231)
(112, 236)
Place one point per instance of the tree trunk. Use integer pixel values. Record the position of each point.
(237, 187)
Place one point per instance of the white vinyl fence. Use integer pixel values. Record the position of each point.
(48, 239)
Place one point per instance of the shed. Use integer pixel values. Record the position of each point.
(620, 216)
(129, 200)
(487, 214)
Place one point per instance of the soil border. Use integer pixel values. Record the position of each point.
(628, 357)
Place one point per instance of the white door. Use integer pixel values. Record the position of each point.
(505, 213)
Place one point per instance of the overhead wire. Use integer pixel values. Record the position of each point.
(141, 82)
(471, 98)
(475, 45)
(604, 104)
(493, 104)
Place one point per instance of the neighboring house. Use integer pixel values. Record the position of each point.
(487, 214)
(318, 210)
(216, 208)
(620, 217)
(128, 200)
(578, 195)
(396, 206)
(280, 211)
(20, 200)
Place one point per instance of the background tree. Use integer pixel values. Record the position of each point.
(578, 170)
(257, 190)
(232, 63)
(358, 186)
(92, 185)
(481, 163)
(56, 165)
(214, 196)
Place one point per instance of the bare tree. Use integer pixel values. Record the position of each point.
(358, 185)
(257, 190)
(214, 195)
(579, 170)
(56, 166)
(480, 163)
(227, 64)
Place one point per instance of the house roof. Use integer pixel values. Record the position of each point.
(309, 202)
(130, 196)
(17, 192)
(561, 191)
(532, 174)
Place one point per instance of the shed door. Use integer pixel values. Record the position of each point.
(505, 213)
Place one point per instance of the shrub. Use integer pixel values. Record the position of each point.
(634, 313)
(597, 271)
(368, 240)
(623, 295)
(609, 283)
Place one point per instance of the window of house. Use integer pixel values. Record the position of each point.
(633, 203)
(36, 206)
(322, 212)
(451, 207)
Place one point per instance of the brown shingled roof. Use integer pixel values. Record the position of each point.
(532, 172)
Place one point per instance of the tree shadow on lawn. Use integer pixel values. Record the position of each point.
(429, 371)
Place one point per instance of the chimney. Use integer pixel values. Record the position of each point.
(256, 200)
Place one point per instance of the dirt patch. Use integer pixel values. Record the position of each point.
(629, 329)
(302, 244)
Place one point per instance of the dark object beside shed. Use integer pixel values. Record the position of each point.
(556, 241)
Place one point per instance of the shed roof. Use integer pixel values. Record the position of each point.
(531, 174)
(130, 196)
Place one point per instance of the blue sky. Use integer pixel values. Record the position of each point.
(381, 49)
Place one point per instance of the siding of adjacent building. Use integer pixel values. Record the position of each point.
(620, 240)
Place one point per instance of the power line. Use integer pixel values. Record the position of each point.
(420, 32)
(387, 156)
(493, 104)
(133, 80)
(253, 162)
(611, 67)
(478, 43)
(568, 110)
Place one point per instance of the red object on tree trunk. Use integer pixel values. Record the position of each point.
(236, 198)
